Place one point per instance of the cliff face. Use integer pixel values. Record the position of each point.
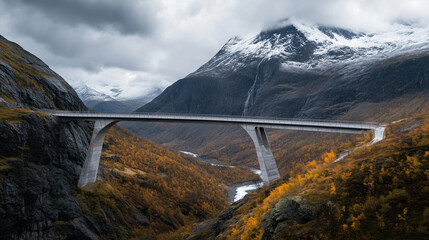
(41, 159)
(40, 156)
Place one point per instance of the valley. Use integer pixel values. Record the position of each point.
(217, 154)
(237, 191)
(168, 189)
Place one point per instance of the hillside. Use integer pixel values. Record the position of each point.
(377, 192)
(28, 82)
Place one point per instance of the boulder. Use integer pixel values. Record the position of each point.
(288, 209)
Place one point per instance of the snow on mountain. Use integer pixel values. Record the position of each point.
(88, 94)
(305, 47)
(101, 102)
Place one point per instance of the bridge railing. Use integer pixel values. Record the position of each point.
(84, 113)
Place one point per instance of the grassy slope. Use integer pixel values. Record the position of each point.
(378, 192)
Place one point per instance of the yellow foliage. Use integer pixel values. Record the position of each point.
(355, 221)
(425, 126)
(329, 157)
(333, 189)
(168, 186)
(402, 216)
(311, 164)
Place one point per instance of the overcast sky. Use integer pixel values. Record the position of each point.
(136, 45)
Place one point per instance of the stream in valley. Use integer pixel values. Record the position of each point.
(236, 191)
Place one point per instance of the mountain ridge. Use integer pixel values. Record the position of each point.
(317, 47)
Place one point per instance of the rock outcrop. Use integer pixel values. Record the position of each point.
(288, 209)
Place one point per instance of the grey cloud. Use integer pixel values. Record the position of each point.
(82, 46)
(361, 15)
(155, 41)
(125, 16)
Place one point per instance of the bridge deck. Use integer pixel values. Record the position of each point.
(247, 120)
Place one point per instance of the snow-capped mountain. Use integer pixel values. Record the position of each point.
(89, 95)
(101, 102)
(315, 47)
(298, 70)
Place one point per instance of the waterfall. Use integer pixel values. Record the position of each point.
(378, 134)
(249, 99)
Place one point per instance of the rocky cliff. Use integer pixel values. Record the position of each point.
(40, 156)
(41, 159)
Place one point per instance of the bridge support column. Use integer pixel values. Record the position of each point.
(266, 160)
(92, 161)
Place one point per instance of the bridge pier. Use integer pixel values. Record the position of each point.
(266, 160)
(92, 161)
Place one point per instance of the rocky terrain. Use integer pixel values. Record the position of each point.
(295, 71)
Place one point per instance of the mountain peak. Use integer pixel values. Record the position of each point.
(313, 46)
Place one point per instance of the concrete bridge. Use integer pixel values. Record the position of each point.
(254, 126)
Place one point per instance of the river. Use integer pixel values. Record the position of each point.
(236, 191)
